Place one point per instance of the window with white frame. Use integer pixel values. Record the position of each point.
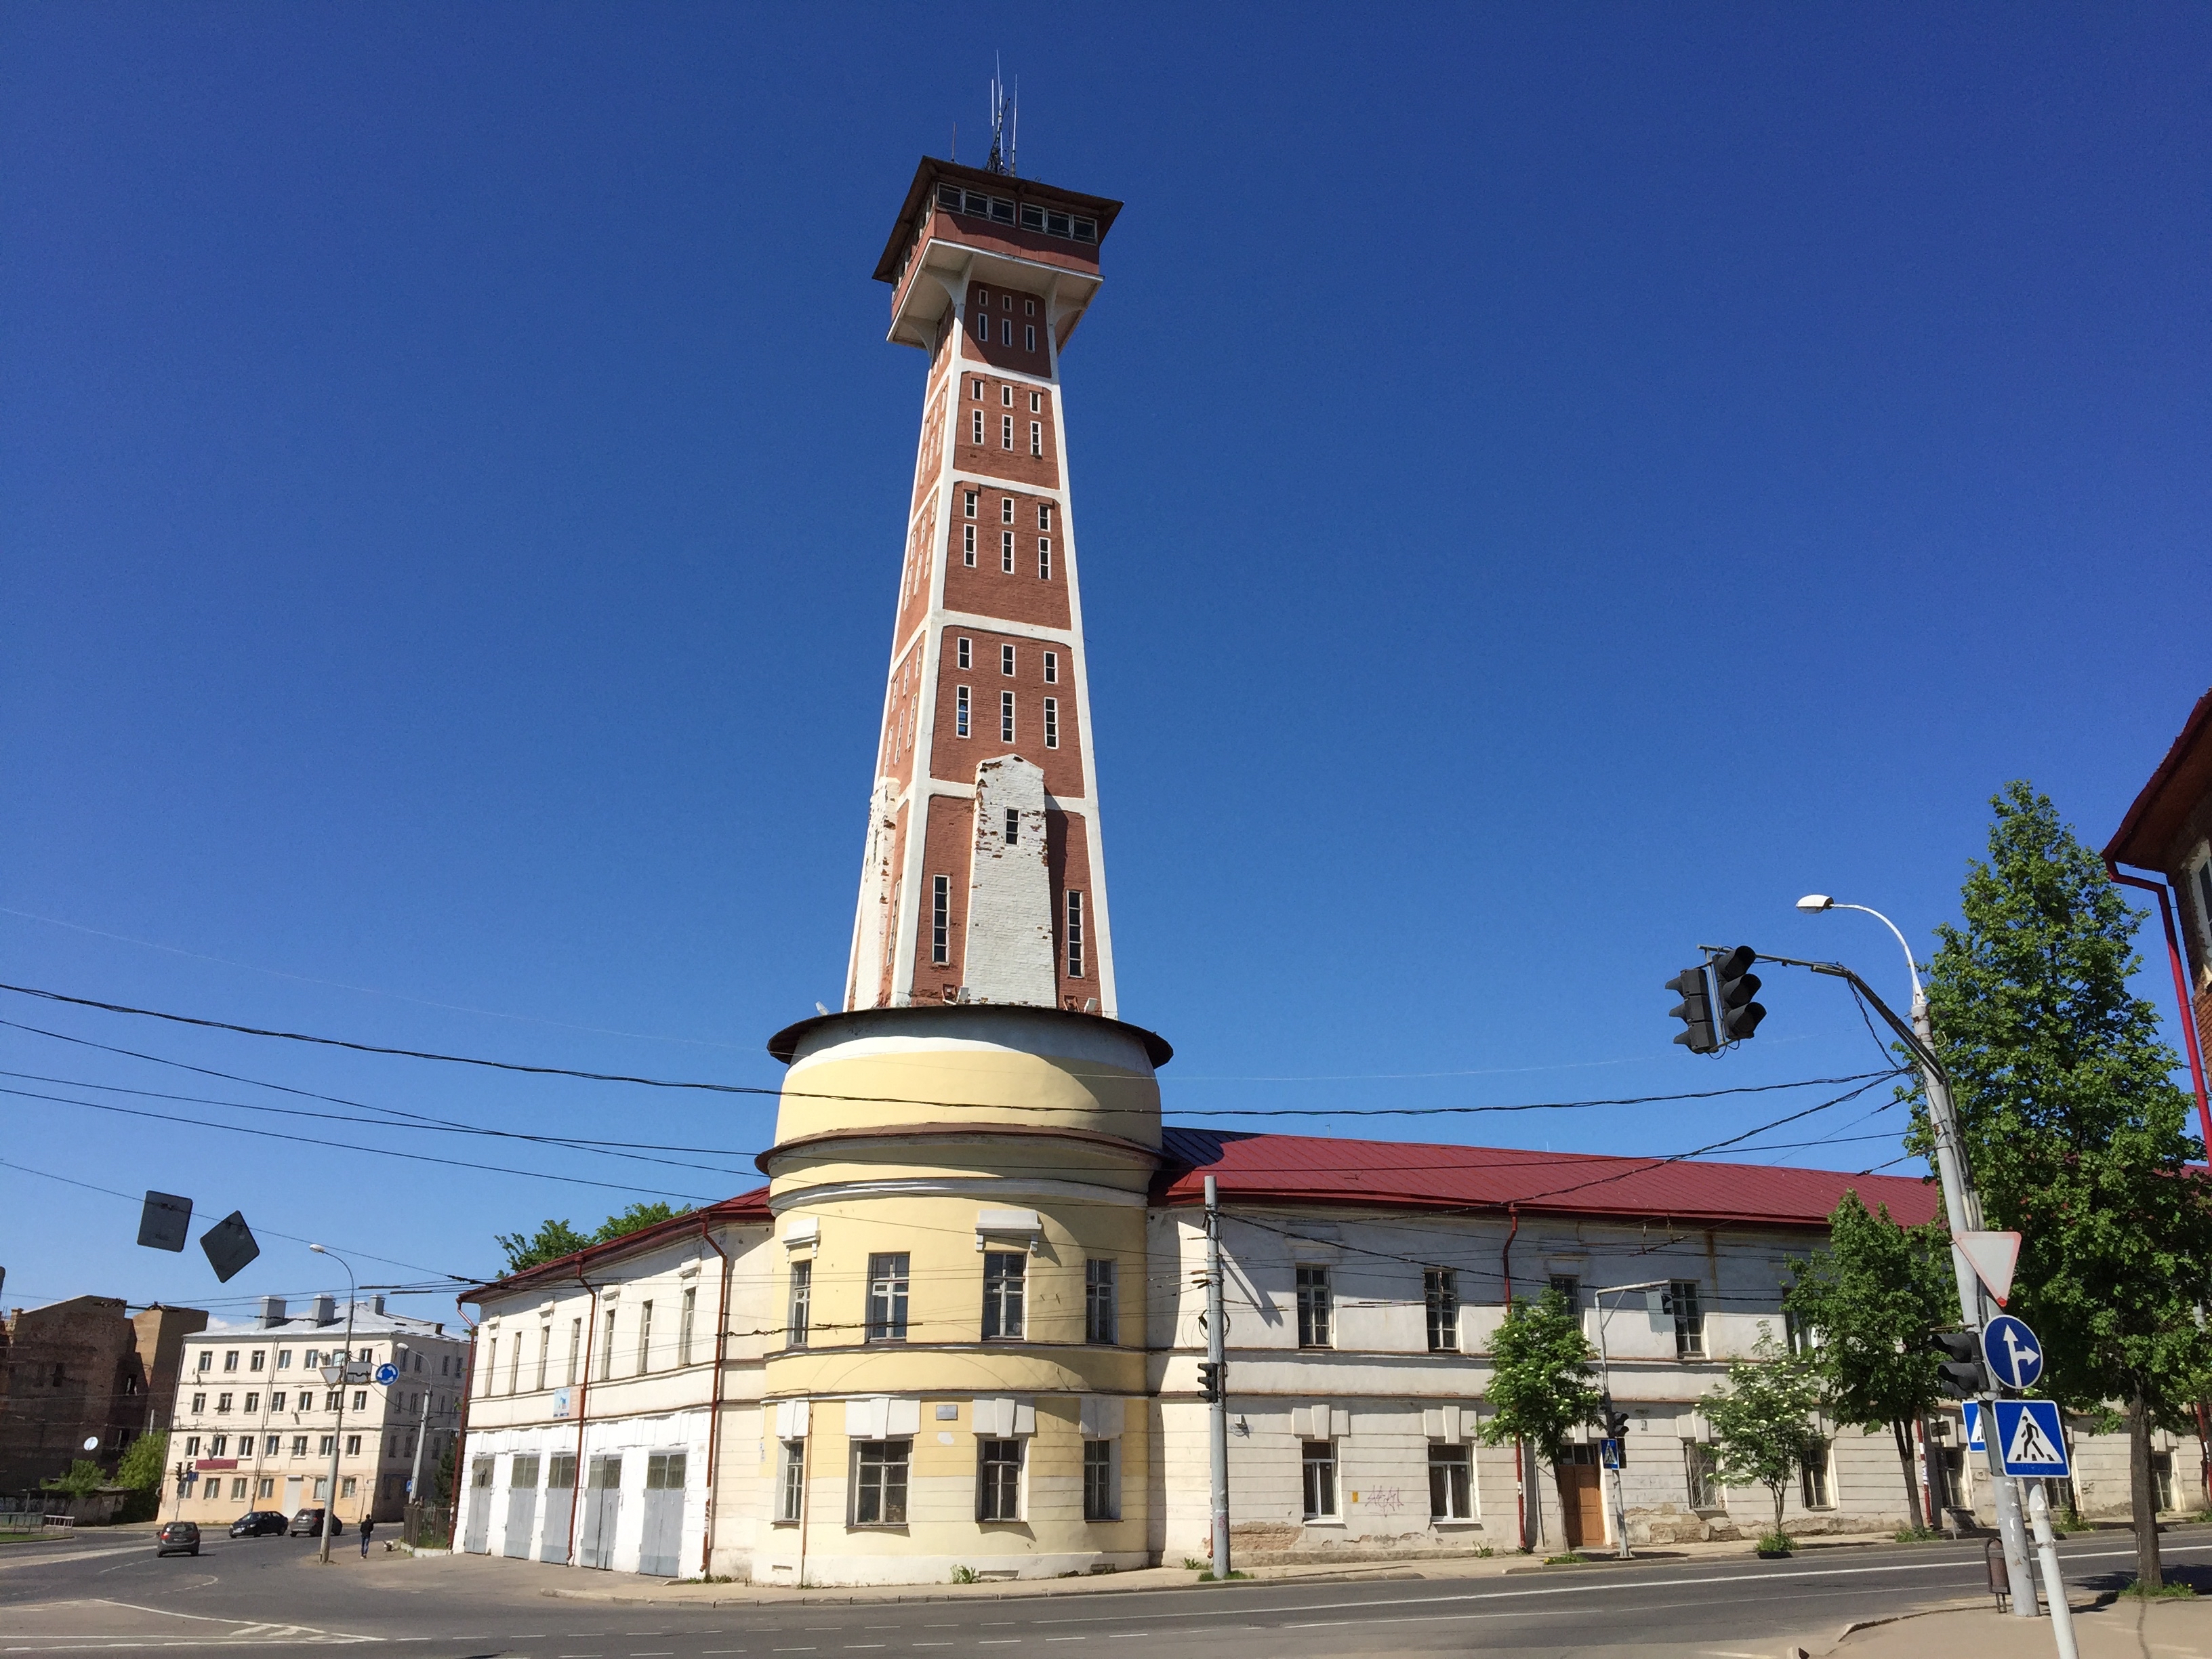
(975, 433)
(1004, 1279)
(971, 495)
(644, 1337)
(960, 708)
(1052, 668)
(1013, 826)
(607, 1345)
(1028, 336)
(880, 1473)
(1044, 558)
(1006, 330)
(1006, 661)
(1037, 437)
(1006, 396)
(982, 328)
(1451, 1486)
(1052, 722)
(1074, 933)
(975, 390)
(1099, 1312)
(1037, 402)
(887, 1297)
(963, 652)
(1312, 1307)
(1813, 1475)
(1006, 552)
(1006, 432)
(575, 1350)
(1689, 1319)
(968, 550)
(544, 1354)
(798, 1307)
(683, 1328)
(1440, 1289)
(790, 1484)
(1100, 1500)
(998, 1480)
(1006, 717)
(1318, 1459)
(1006, 509)
(940, 911)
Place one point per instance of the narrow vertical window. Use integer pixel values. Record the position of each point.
(940, 918)
(1006, 396)
(1037, 402)
(802, 1296)
(1052, 668)
(1029, 338)
(1319, 1459)
(791, 1491)
(575, 1350)
(607, 1346)
(644, 1338)
(684, 1327)
(982, 328)
(975, 390)
(960, 709)
(545, 1355)
(1006, 509)
(1007, 660)
(978, 436)
(964, 651)
(1689, 1319)
(982, 299)
(1098, 1503)
(1013, 826)
(1099, 1311)
(1052, 722)
(1312, 1307)
(887, 1297)
(968, 545)
(1440, 1288)
(1044, 515)
(1006, 432)
(1007, 331)
(998, 1480)
(1074, 934)
(1006, 717)
(1003, 1283)
(1044, 558)
(970, 504)
(1006, 551)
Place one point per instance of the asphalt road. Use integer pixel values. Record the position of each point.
(270, 1593)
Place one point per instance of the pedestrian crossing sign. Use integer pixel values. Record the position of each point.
(2029, 1438)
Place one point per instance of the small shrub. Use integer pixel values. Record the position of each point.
(1570, 1559)
(2168, 1589)
(1916, 1535)
(963, 1575)
(1192, 1564)
(1207, 1577)
(1778, 1541)
(1486, 1552)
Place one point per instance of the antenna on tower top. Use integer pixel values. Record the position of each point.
(1006, 122)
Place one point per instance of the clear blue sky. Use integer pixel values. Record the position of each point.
(1552, 487)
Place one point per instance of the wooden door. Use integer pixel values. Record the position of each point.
(1582, 1497)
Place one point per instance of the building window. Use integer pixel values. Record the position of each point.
(964, 652)
(1006, 509)
(1006, 552)
(941, 906)
(1052, 722)
(1813, 1475)
(1037, 437)
(222, 1403)
(975, 390)
(513, 1370)
(253, 1361)
(791, 1485)
(276, 1400)
(1074, 933)
(1037, 402)
(966, 553)
(644, 1338)
(298, 1445)
(266, 1487)
(348, 1487)
(1571, 1290)
(545, 1355)
(887, 1288)
(1313, 1308)
(1006, 717)
(1451, 1492)
(207, 1359)
(353, 1445)
(1099, 1494)
(960, 706)
(252, 1403)
(1006, 432)
(1006, 396)
(1013, 826)
(1319, 1458)
(1440, 1286)
(199, 1404)
(1028, 336)
(322, 1488)
(971, 495)
(220, 1446)
(2200, 886)
(1007, 660)
(575, 1350)
(998, 1481)
(1689, 1319)
(237, 1488)
(1795, 1337)
(1002, 1297)
(683, 1328)
(879, 1481)
(1006, 330)
(1099, 1307)
(1052, 668)
(192, 1445)
(802, 1296)
(607, 1345)
(284, 1359)
(982, 328)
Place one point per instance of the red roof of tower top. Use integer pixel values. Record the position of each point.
(1099, 208)
(1311, 1168)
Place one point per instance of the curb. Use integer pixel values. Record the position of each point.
(1101, 1586)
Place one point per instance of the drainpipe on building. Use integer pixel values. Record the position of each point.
(461, 1432)
(2189, 1034)
(715, 1417)
(583, 1396)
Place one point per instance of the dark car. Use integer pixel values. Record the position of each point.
(178, 1538)
(310, 1521)
(260, 1523)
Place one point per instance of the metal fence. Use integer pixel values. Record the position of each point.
(427, 1526)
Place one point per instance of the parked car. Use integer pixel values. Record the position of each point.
(260, 1523)
(310, 1521)
(178, 1538)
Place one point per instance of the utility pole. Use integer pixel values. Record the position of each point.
(421, 1439)
(1616, 1423)
(331, 1498)
(1216, 1320)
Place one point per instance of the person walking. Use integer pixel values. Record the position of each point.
(367, 1527)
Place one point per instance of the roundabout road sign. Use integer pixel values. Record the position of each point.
(387, 1373)
(2015, 1357)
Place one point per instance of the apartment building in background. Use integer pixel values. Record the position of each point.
(84, 1370)
(256, 1421)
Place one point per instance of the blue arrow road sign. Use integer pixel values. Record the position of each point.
(2028, 1440)
(387, 1373)
(2015, 1357)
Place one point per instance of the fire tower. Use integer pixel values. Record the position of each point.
(984, 879)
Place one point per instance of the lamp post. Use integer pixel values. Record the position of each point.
(1605, 1384)
(1963, 1207)
(330, 1499)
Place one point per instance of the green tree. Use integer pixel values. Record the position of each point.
(2077, 1135)
(635, 1219)
(144, 1464)
(1874, 1296)
(1762, 1421)
(444, 1476)
(548, 1243)
(84, 1478)
(1540, 1381)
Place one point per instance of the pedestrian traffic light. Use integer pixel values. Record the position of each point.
(1960, 1374)
(1209, 1379)
(1734, 986)
(1695, 1010)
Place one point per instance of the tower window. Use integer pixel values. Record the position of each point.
(1029, 338)
(887, 1298)
(968, 550)
(1003, 1276)
(1037, 402)
(1029, 307)
(971, 501)
(960, 712)
(984, 298)
(1006, 432)
(1074, 934)
(1006, 551)
(976, 435)
(964, 651)
(940, 918)
(983, 328)
(1006, 717)
(1006, 509)
(1044, 515)
(1052, 668)
(1044, 558)
(975, 390)
(1052, 722)
(1037, 437)
(1013, 826)
(1006, 659)
(1006, 332)
(1007, 300)
(1006, 396)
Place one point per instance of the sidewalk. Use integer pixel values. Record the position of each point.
(2122, 1629)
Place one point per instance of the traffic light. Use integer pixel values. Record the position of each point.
(1616, 1424)
(1961, 1374)
(1695, 1010)
(1209, 1379)
(1735, 985)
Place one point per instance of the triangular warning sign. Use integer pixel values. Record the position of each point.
(1991, 1255)
(2030, 1445)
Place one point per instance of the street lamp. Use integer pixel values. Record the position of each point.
(1605, 1382)
(330, 1499)
(1814, 904)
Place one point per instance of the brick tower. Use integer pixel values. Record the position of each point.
(984, 880)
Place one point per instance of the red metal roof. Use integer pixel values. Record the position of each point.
(2182, 779)
(745, 1206)
(1311, 1169)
